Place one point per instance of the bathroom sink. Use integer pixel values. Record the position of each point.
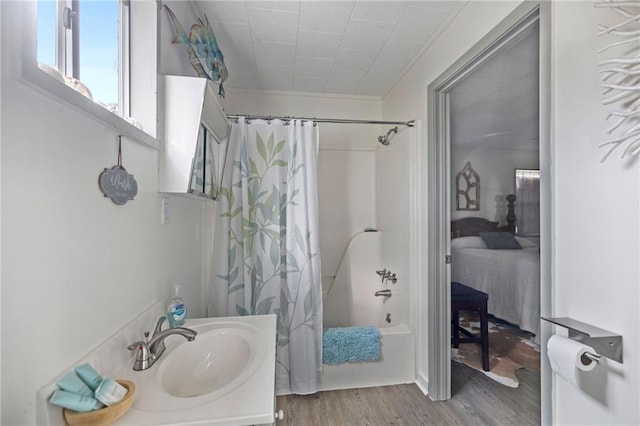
(226, 354)
(216, 360)
(225, 377)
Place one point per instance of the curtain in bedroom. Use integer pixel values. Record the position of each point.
(527, 208)
(266, 253)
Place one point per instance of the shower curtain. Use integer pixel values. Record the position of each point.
(266, 253)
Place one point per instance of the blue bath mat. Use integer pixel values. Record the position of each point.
(351, 344)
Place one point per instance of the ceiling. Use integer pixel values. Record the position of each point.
(496, 106)
(341, 47)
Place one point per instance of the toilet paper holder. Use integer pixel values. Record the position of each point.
(604, 342)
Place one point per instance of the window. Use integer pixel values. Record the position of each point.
(87, 42)
(52, 54)
(527, 202)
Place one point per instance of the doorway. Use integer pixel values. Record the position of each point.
(439, 192)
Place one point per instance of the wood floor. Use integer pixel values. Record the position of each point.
(477, 400)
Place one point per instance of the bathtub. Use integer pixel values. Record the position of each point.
(349, 300)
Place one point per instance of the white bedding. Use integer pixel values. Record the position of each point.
(511, 278)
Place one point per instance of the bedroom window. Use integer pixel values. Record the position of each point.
(87, 43)
(527, 208)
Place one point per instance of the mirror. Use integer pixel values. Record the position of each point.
(208, 164)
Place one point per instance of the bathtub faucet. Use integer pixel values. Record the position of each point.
(388, 275)
(384, 293)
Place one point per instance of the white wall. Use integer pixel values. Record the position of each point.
(596, 207)
(597, 249)
(496, 170)
(76, 267)
(346, 197)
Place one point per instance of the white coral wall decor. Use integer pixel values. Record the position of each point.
(619, 67)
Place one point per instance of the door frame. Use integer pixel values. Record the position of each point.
(438, 198)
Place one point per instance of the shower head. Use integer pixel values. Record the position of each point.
(385, 139)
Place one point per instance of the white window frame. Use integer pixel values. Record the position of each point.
(67, 54)
(68, 14)
(27, 71)
(124, 74)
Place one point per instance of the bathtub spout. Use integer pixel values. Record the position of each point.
(384, 293)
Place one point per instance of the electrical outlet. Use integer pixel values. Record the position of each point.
(164, 218)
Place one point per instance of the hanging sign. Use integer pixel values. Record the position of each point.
(116, 183)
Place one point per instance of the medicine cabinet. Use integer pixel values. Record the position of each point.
(196, 135)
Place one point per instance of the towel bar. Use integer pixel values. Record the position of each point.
(604, 342)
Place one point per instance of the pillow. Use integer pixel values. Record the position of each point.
(500, 240)
(524, 243)
(467, 242)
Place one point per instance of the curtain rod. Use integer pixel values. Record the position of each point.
(323, 120)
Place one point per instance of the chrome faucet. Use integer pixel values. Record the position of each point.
(149, 351)
(383, 293)
(387, 275)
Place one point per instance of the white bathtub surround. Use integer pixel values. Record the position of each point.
(247, 398)
(266, 255)
(351, 301)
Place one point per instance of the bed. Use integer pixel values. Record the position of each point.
(511, 277)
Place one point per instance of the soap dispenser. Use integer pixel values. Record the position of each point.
(176, 311)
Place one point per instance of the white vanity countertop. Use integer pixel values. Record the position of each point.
(249, 402)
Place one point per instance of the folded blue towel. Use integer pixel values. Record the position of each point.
(351, 344)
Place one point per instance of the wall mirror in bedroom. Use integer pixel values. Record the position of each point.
(488, 109)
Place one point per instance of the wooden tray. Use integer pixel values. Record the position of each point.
(104, 416)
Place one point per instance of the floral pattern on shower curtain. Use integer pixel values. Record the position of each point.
(266, 253)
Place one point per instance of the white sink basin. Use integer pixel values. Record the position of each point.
(216, 361)
(225, 364)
